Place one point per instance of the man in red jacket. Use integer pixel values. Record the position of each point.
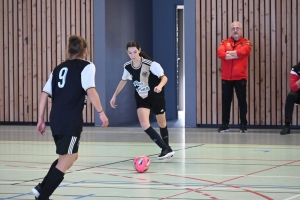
(234, 53)
(292, 98)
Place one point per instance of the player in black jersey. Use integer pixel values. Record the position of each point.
(148, 79)
(68, 85)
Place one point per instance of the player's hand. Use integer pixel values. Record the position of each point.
(157, 89)
(41, 127)
(104, 119)
(112, 102)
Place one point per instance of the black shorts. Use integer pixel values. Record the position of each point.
(156, 105)
(66, 144)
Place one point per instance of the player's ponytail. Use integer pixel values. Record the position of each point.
(135, 44)
(144, 55)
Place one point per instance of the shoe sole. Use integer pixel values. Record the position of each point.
(243, 131)
(223, 131)
(171, 154)
(168, 155)
(35, 192)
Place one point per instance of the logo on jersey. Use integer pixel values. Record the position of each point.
(140, 87)
(145, 74)
(143, 89)
(138, 84)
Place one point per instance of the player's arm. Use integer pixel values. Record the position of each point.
(95, 100)
(120, 86)
(41, 126)
(88, 84)
(126, 76)
(47, 92)
(157, 70)
(163, 82)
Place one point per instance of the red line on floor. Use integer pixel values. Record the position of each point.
(247, 190)
(169, 184)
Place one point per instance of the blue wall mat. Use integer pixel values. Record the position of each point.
(116, 23)
(164, 48)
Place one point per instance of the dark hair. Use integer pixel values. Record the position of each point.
(135, 44)
(76, 46)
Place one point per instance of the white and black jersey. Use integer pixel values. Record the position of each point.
(145, 78)
(67, 86)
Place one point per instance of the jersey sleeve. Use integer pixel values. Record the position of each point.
(88, 76)
(126, 75)
(156, 69)
(48, 86)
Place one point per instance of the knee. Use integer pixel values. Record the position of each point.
(66, 163)
(162, 124)
(63, 166)
(145, 125)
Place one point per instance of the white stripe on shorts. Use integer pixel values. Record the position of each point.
(71, 146)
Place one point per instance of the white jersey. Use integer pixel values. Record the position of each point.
(145, 78)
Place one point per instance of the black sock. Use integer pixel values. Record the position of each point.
(55, 177)
(156, 138)
(52, 167)
(165, 135)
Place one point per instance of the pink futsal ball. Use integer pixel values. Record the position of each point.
(141, 163)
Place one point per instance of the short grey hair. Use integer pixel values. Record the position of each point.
(238, 23)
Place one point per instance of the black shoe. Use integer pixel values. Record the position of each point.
(37, 190)
(223, 128)
(286, 130)
(167, 153)
(243, 128)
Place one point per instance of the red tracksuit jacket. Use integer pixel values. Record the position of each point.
(294, 77)
(235, 69)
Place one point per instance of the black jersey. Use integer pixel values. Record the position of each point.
(67, 87)
(145, 78)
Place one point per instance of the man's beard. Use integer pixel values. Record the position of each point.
(236, 37)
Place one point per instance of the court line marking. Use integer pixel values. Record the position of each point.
(121, 161)
(293, 197)
(20, 195)
(92, 167)
(118, 172)
(216, 184)
(249, 174)
(165, 183)
(207, 158)
(81, 197)
(98, 166)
